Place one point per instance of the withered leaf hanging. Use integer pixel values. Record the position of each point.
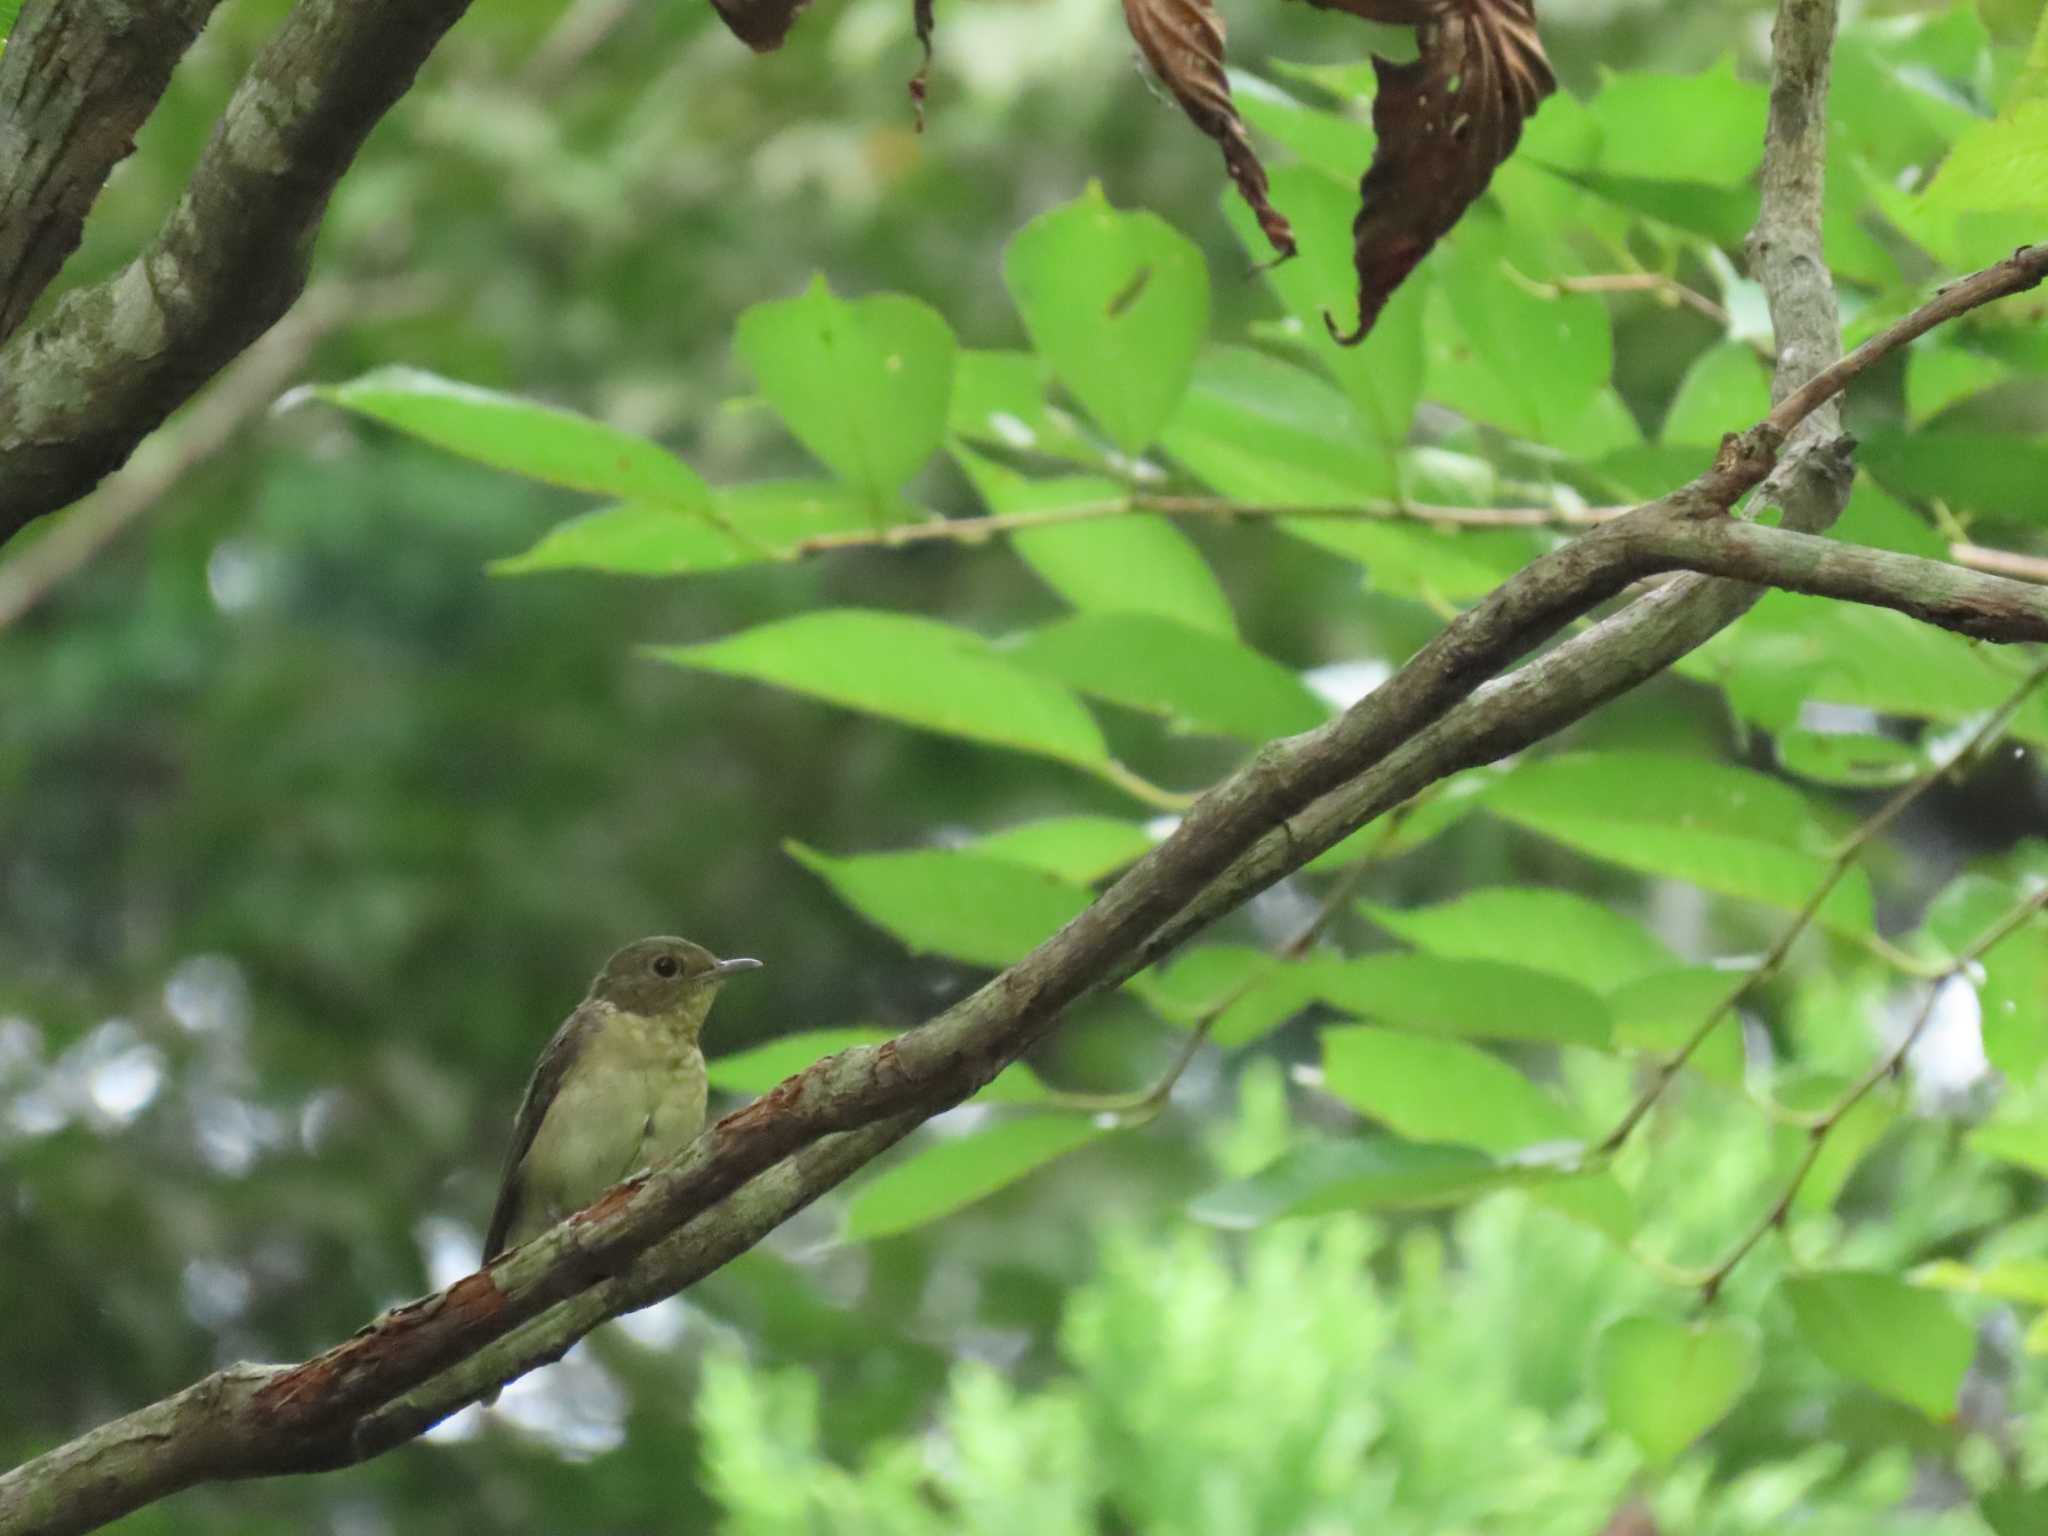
(1445, 122)
(1183, 42)
(921, 20)
(760, 24)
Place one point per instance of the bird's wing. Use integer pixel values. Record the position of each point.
(540, 1093)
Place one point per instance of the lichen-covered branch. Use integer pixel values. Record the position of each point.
(80, 388)
(76, 81)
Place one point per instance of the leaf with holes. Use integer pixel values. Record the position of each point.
(1183, 42)
(1118, 304)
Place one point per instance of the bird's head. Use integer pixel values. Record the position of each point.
(663, 976)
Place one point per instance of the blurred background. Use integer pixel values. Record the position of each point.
(311, 831)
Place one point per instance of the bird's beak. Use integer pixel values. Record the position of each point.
(726, 969)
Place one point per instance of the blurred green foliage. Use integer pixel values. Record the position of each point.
(310, 831)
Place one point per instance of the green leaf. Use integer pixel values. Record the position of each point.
(1129, 565)
(1790, 650)
(2000, 165)
(630, 540)
(1081, 849)
(2015, 1510)
(2016, 1134)
(1370, 1174)
(753, 1072)
(939, 1179)
(1938, 375)
(1256, 991)
(999, 399)
(1995, 474)
(1200, 681)
(1475, 999)
(525, 438)
(1441, 1090)
(757, 1070)
(1118, 304)
(1332, 144)
(1383, 375)
(2021, 1280)
(1849, 759)
(863, 384)
(1134, 563)
(1449, 803)
(965, 906)
(1725, 390)
(1519, 359)
(1262, 430)
(1723, 828)
(1851, 1140)
(1658, 1013)
(1555, 931)
(1878, 1330)
(1667, 1383)
(915, 670)
(1722, 118)
(745, 524)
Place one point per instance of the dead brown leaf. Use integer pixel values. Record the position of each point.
(760, 24)
(921, 19)
(1445, 123)
(1183, 42)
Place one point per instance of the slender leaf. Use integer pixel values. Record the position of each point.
(1476, 999)
(1082, 849)
(965, 906)
(1441, 1090)
(1722, 827)
(1198, 680)
(1558, 932)
(521, 436)
(941, 1178)
(915, 670)
(1373, 1173)
(1906, 1343)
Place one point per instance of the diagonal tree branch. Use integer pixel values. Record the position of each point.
(756, 1166)
(80, 389)
(834, 1115)
(76, 81)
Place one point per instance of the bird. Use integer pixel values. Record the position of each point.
(619, 1088)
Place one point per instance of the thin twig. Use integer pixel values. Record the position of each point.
(1822, 1125)
(1839, 866)
(977, 530)
(1668, 289)
(2001, 562)
(2018, 273)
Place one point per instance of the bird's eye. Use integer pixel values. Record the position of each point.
(667, 966)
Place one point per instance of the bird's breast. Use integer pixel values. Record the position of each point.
(634, 1096)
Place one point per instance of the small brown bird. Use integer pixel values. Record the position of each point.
(618, 1089)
